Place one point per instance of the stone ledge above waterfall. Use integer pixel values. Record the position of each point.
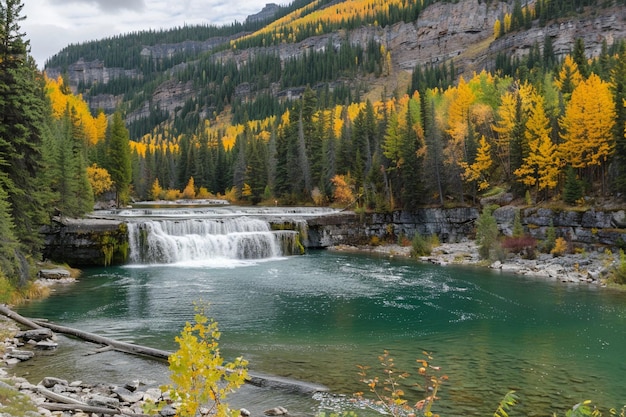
(86, 242)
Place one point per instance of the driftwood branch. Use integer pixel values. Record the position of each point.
(58, 397)
(90, 337)
(101, 340)
(87, 409)
(6, 311)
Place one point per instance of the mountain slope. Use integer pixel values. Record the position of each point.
(445, 33)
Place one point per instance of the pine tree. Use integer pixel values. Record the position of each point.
(23, 114)
(573, 189)
(618, 85)
(118, 158)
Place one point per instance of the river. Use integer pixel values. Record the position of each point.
(316, 317)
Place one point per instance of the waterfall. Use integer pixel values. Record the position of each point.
(172, 241)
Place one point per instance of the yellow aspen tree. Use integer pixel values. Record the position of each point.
(101, 126)
(568, 77)
(587, 125)
(99, 178)
(477, 170)
(507, 23)
(190, 190)
(461, 99)
(343, 191)
(156, 191)
(541, 166)
(506, 121)
(497, 27)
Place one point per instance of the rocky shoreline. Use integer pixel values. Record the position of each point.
(58, 397)
(591, 267)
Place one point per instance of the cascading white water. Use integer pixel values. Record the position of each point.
(174, 241)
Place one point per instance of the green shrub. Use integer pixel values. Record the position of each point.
(486, 233)
(420, 246)
(550, 242)
(618, 274)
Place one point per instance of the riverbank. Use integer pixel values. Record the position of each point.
(585, 267)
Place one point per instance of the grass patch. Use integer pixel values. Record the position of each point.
(14, 403)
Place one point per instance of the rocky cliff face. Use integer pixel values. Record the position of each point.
(451, 225)
(460, 31)
(588, 230)
(86, 242)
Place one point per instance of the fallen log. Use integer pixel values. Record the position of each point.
(87, 409)
(101, 340)
(268, 381)
(90, 337)
(6, 311)
(58, 397)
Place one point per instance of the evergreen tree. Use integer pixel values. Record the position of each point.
(411, 152)
(573, 188)
(618, 85)
(23, 114)
(9, 245)
(118, 158)
(579, 57)
(487, 234)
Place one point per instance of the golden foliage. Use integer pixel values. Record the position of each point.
(343, 190)
(99, 178)
(478, 169)
(569, 77)
(587, 124)
(156, 191)
(560, 247)
(62, 101)
(190, 190)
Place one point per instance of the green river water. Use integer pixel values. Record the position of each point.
(316, 317)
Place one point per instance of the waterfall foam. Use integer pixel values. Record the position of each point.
(167, 241)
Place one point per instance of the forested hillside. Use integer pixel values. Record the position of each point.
(379, 105)
(314, 106)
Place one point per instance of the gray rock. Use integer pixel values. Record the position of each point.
(276, 411)
(47, 345)
(102, 401)
(152, 394)
(37, 335)
(50, 382)
(132, 386)
(167, 411)
(127, 396)
(57, 273)
(21, 355)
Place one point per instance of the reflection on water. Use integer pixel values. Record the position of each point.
(317, 316)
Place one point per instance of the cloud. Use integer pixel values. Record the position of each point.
(53, 24)
(108, 6)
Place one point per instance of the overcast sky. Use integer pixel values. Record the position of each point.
(53, 24)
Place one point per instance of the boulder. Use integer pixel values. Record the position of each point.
(37, 335)
(127, 396)
(102, 401)
(50, 382)
(57, 273)
(21, 355)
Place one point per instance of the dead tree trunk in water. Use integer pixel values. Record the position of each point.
(90, 337)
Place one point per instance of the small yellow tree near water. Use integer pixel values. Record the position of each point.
(388, 393)
(199, 376)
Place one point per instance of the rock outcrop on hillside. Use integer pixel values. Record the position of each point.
(460, 31)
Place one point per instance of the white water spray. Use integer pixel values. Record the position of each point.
(191, 240)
